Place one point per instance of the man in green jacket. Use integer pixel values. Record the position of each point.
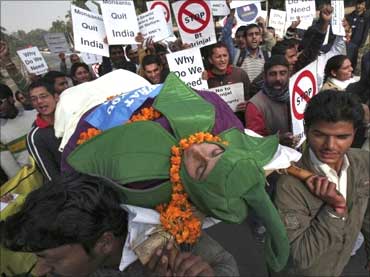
(324, 218)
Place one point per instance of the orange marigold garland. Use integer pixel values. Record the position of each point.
(145, 114)
(177, 217)
(89, 134)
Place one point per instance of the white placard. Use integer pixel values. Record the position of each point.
(248, 14)
(33, 60)
(306, 10)
(57, 43)
(232, 94)
(165, 7)
(337, 17)
(188, 66)
(277, 20)
(120, 21)
(152, 24)
(88, 32)
(91, 58)
(302, 87)
(219, 8)
(240, 3)
(195, 22)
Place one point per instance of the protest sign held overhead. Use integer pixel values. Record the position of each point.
(57, 43)
(232, 94)
(306, 10)
(277, 20)
(219, 8)
(33, 60)
(88, 32)
(338, 16)
(120, 21)
(195, 21)
(248, 14)
(302, 87)
(165, 7)
(91, 58)
(188, 66)
(152, 24)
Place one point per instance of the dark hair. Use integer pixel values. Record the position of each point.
(270, 28)
(241, 29)
(111, 47)
(75, 66)
(128, 48)
(150, 59)
(77, 210)
(250, 26)
(281, 47)
(360, 1)
(334, 63)
(216, 45)
(275, 60)
(5, 91)
(41, 83)
(160, 48)
(333, 106)
(52, 75)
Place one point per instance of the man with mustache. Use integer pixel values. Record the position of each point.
(267, 112)
(324, 218)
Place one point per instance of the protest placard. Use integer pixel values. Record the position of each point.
(195, 21)
(305, 9)
(88, 32)
(57, 43)
(337, 17)
(302, 87)
(188, 66)
(120, 21)
(219, 8)
(152, 24)
(33, 60)
(232, 94)
(91, 58)
(248, 14)
(277, 21)
(165, 7)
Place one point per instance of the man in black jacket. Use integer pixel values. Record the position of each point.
(42, 143)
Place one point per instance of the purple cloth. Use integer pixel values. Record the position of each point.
(225, 119)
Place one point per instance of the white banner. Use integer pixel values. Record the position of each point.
(337, 17)
(152, 24)
(165, 7)
(195, 22)
(91, 58)
(306, 10)
(302, 87)
(277, 21)
(57, 43)
(120, 21)
(219, 8)
(88, 32)
(188, 66)
(232, 94)
(33, 60)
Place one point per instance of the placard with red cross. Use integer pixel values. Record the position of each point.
(195, 21)
(302, 87)
(165, 7)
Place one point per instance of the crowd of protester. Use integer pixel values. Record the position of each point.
(327, 218)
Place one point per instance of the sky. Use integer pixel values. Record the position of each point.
(29, 15)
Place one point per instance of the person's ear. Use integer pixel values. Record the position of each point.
(105, 243)
(210, 60)
(56, 97)
(333, 73)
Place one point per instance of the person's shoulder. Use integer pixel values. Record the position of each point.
(359, 156)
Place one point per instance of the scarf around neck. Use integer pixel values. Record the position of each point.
(281, 95)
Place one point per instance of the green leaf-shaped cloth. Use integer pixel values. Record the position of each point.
(141, 151)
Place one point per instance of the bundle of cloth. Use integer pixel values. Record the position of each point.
(135, 156)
